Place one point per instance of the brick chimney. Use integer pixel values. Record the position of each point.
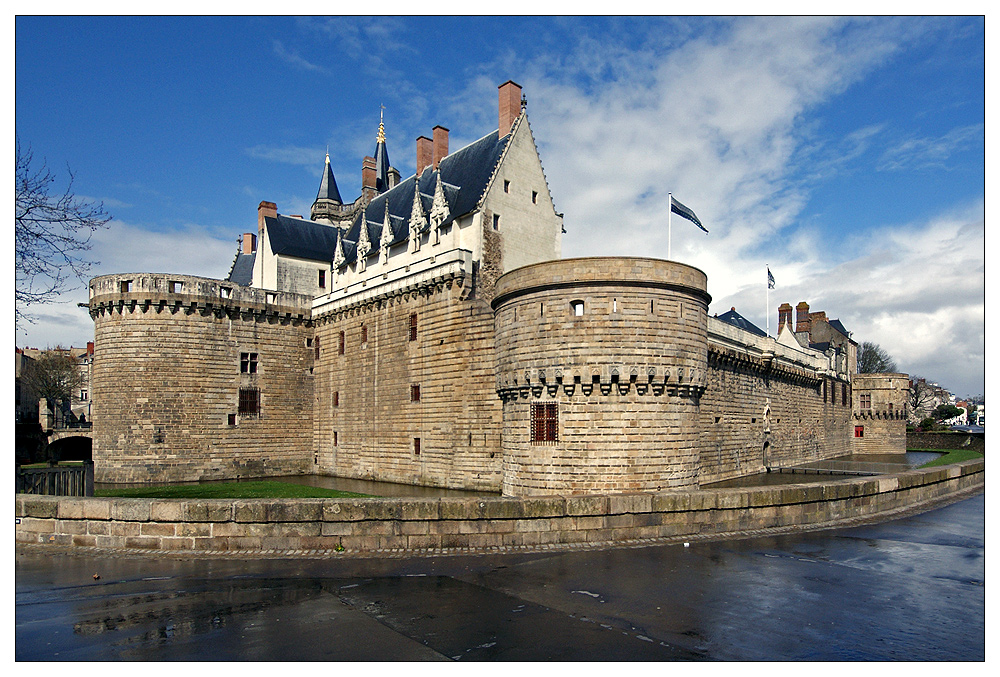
(368, 179)
(440, 144)
(90, 347)
(265, 209)
(425, 153)
(802, 321)
(249, 242)
(510, 105)
(785, 316)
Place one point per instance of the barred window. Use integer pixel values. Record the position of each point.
(413, 327)
(544, 423)
(249, 402)
(248, 363)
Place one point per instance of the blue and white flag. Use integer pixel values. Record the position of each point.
(770, 279)
(677, 208)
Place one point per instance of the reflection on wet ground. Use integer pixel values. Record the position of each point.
(910, 589)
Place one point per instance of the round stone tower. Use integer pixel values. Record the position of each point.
(197, 379)
(600, 365)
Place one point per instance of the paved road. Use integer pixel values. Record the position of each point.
(911, 589)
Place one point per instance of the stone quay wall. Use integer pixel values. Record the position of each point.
(947, 440)
(433, 526)
(600, 364)
(172, 358)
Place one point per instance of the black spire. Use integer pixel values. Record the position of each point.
(328, 185)
(381, 159)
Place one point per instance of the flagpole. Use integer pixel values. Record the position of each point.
(767, 300)
(670, 210)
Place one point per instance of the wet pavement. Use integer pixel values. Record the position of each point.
(909, 589)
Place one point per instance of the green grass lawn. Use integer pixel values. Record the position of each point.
(950, 456)
(251, 489)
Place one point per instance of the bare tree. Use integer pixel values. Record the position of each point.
(921, 395)
(54, 375)
(51, 235)
(873, 359)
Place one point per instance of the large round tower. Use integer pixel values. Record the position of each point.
(600, 365)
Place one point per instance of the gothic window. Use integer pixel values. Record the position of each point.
(248, 363)
(249, 402)
(544, 423)
(413, 327)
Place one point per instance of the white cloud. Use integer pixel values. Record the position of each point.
(126, 248)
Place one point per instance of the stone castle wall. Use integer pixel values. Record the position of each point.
(767, 405)
(421, 411)
(616, 346)
(879, 420)
(167, 379)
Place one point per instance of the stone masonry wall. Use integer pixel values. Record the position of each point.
(167, 379)
(371, 423)
(879, 413)
(338, 527)
(624, 372)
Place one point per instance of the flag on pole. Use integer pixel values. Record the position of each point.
(677, 208)
(770, 279)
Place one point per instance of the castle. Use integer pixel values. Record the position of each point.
(429, 333)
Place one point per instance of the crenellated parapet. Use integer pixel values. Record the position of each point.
(189, 295)
(604, 380)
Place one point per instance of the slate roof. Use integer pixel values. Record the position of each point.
(839, 327)
(737, 320)
(464, 175)
(328, 185)
(242, 270)
(301, 238)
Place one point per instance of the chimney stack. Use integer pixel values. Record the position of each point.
(265, 209)
(785, 317)
(802, 321)
(425, 153)
(368, 179)
(510, 106)
(440, 144)
(249, 243)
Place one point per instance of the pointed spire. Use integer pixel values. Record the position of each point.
(418, 220)
(364, 244)
(387, 236)
(328, 184)
(439, 210)
(338, 252)
(381, 158)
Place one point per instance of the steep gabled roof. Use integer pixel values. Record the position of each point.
(242, 270)
(301, 238)
(737, 320)
(464, 176)
(839, 327)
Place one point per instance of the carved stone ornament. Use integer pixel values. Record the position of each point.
(439, 210)
(418, 220)
(386, 238)
(338, 253)
(364, 244)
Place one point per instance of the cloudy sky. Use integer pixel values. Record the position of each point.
(846, 154)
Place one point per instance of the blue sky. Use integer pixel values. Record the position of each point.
(846, 154)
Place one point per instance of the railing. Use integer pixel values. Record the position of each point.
(56, 480)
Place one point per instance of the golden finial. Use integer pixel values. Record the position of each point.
(381, 128)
